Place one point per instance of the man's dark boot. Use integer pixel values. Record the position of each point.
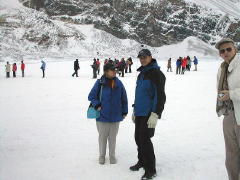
(136, 167)
(149, 175)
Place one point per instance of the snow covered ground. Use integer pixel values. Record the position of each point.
(44, 133)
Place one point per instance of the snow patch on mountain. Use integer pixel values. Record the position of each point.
(29, 33)
(230, 7)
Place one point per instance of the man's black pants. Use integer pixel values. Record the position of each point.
(75, 73)
(43, 71)
(143, 135)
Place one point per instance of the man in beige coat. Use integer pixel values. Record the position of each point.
(228, 104)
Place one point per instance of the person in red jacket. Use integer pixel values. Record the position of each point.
(98, 63)
(184, 65)
(22, 68)
(14, 69)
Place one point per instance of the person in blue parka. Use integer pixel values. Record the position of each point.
(149, 103)
(195, 61)
(113, 109)
(43, 68)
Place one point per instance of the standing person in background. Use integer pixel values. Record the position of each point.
(43, 68)
(76, 68)
(95, 68)
(130, 64)
(121, 66)
(22, 68)
(184, 65)
(189, 63)
(178, 65)
(8, 69)
(110, 98)
(195, 61)
(169, 65)
(110, 61)
(106, 61)
(99, 64)
(126, 66)
(14, 69)
(228, 104)
(148, 107)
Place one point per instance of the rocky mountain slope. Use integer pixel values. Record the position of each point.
(155, 23)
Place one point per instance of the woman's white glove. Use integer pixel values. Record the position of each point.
(152, 121)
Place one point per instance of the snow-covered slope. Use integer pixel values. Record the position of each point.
(230, 7)
(29, 33)
(10, 4)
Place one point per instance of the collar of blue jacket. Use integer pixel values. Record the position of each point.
(103, 80)
(153, 64)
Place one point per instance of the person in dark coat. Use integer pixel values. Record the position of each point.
(169, 65)
(121, 67)
(109, 96)
(148, 107)
(95, 68)
(130, 64)
(76, 68)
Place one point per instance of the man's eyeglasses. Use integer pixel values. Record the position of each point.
(222, 51)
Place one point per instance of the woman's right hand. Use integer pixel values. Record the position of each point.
(133, 117)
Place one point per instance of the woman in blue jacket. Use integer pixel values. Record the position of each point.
(113, 108)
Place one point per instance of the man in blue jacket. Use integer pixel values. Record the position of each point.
(149, 104)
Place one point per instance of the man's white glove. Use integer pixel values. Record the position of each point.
(133, 117)
(152, 121)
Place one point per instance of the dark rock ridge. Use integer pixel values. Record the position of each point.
(155, 24)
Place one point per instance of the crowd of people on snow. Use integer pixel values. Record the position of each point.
(183, 64)
(122, 66)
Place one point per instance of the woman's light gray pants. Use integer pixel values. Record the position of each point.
(107, 132)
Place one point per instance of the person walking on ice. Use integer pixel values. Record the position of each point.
(109, 96)
(76, 67)
(148, 107)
